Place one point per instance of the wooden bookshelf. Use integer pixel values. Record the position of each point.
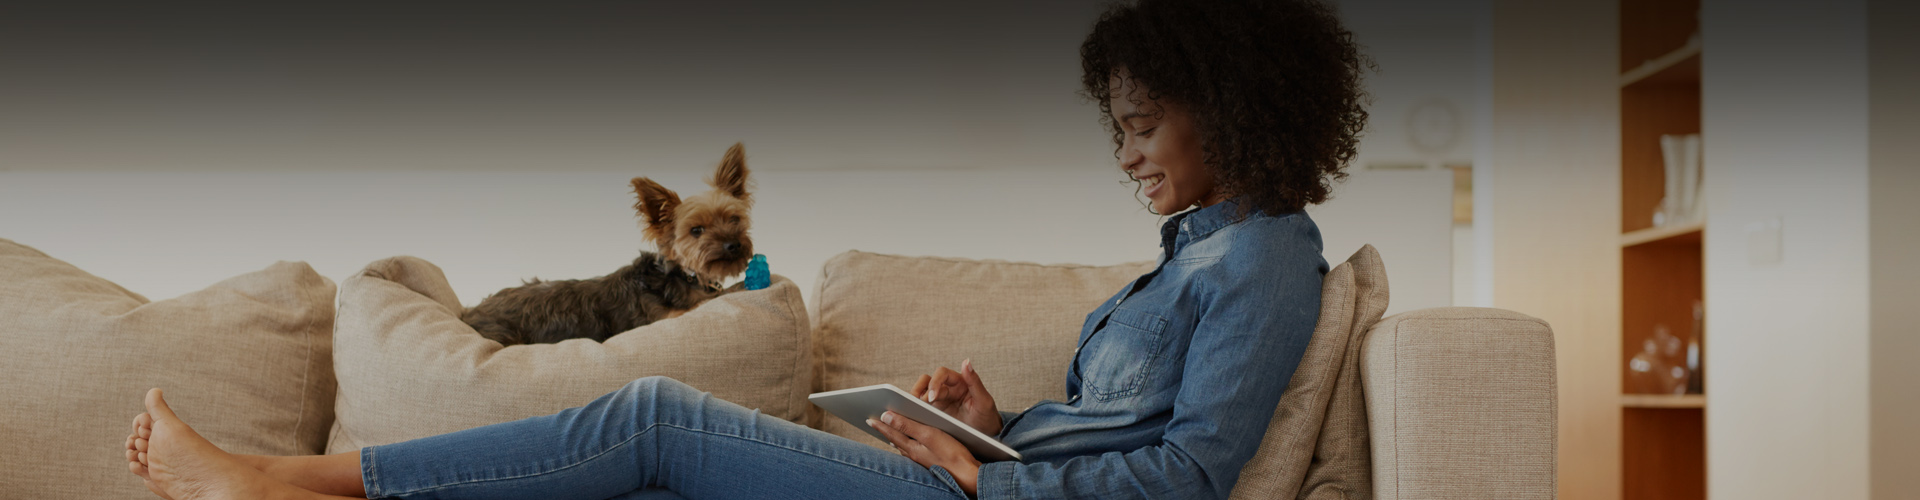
(1663, 436)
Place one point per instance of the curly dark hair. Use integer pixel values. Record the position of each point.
(1273, 87)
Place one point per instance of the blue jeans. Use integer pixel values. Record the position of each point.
(654, 438)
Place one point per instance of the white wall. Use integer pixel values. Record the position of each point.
(1407, 216)
(1784, 118)
(1554, 201)
(1426, 55)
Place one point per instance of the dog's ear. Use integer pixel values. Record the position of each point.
(656, 204)
(731, 176)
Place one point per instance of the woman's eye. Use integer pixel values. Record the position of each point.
(696, 231)
(1143, 133)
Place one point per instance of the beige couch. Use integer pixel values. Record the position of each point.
(1438, 403)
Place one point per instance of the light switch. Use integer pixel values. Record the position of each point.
(1763, 242)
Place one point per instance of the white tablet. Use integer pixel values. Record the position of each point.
(858, 404)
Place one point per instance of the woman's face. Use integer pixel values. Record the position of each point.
(1161, 149)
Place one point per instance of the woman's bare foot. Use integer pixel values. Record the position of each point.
(337, 474)
(178, 464)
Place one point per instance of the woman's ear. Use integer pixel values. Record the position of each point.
(656, 205)
(731, 176)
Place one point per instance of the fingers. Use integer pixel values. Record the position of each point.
(942, 382)
(901, 443)
(920, 388)
(916, 430)
(973, 377)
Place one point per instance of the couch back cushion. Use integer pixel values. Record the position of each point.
(246, 361)
(409, 368)
(889, 319)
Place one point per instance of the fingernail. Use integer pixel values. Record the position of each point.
(931, 395)
(872, 423)
(887, 417)
(967, 365)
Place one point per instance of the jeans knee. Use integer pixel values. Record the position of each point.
(648, 395)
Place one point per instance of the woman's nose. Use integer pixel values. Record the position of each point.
(1130, 158)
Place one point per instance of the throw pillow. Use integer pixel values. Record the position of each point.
(409, 368)
(246, 361)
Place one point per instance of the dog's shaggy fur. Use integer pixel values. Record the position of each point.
(702, 241)
(542, 312)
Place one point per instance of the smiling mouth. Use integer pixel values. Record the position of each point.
(1153, 181)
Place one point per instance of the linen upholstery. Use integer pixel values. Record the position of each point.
(889, 319)
(409, 368)
(246, 361)
(1323, 404)
(1462, 405)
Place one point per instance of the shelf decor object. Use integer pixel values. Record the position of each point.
(1681, 205)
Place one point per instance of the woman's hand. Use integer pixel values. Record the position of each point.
(929, 447)
(962, 395)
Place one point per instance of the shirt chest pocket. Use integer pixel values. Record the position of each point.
(1122, 356)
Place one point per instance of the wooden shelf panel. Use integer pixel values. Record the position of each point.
(1663, 453)
(1680, 66)
(1663, 400)
(1678, 233)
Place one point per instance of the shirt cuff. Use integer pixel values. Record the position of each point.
(996, 481)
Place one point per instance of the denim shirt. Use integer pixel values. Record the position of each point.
(1176, 376)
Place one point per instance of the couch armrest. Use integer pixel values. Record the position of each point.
(1461, 404)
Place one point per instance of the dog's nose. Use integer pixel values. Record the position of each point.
(732, 248)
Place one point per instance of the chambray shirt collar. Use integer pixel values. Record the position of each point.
(1194, 225)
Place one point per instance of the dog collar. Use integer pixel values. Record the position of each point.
(711, 285)
(670, 268)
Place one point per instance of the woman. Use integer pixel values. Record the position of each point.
(1243, 111)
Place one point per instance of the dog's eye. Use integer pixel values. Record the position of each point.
(736, 219)
(696, 231)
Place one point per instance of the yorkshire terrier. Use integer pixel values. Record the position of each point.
(702, 240)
